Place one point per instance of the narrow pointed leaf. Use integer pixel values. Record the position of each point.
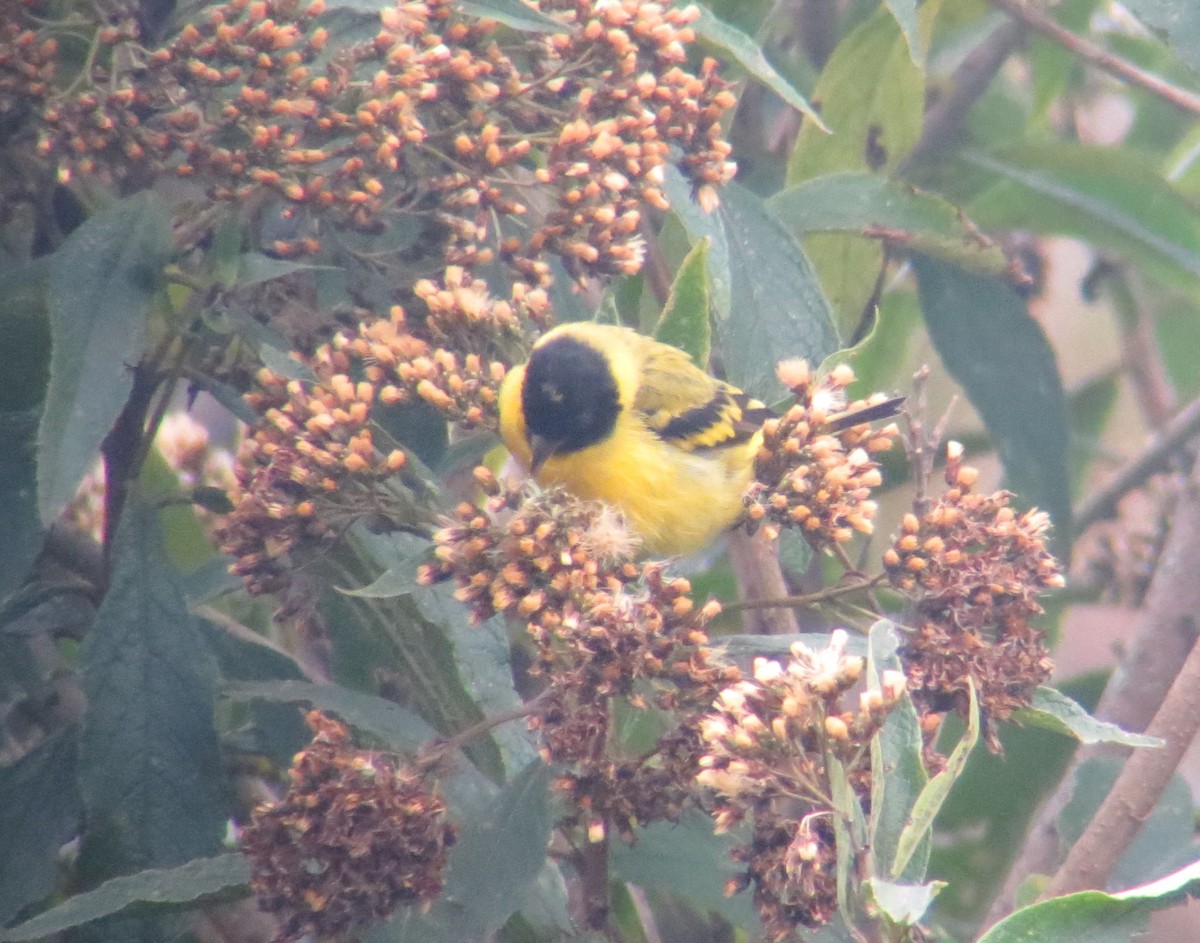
(193, 881)
(149, 758)
(896, 753)
(400, 728)
(1093, 916)
(747, 53)
(103, 282)
(1053, 710)
(514, 13)
(778, 310)
(685, 321)
(905, 12)
(925, 809)
(1106, 196)
(999, 354)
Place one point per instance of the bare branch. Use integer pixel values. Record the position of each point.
(1100, 58)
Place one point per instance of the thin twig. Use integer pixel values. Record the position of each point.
(1137, 790)
(945, 118)
(844, 559)
(1184, 426)
(456, 742)
(807, 599)
(1102, 59)
(920, 454)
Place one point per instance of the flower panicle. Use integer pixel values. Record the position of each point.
(815, 470)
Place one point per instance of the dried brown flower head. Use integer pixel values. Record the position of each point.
(437, 115)
(604, 628)
(312, 466)
(357, 835)
(768, 740)
(814, 472)
(974, 568)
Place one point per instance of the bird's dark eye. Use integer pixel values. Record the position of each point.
(570, 395)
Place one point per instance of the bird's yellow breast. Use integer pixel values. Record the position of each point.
(675, 500)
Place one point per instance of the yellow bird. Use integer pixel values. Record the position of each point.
(614, 416)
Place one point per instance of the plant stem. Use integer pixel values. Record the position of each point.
(945, 119)
(1137, 790)
(759, 576)
(807, 599)
(1184, 426)
(1100, 58)
(1166, 633)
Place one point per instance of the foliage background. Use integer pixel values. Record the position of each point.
(992, 202)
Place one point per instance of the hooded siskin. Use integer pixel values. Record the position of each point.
(615, 416)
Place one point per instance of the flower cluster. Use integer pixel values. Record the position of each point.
(974, 568)
(768, 741)
(357, 835)
(455, 358)
(632, 104)
(311, 466)
(603, 627)
(314, 437)
(429, 117)
(814, 470)
(28, 63)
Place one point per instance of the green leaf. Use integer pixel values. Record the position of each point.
(1053, 710)
(903, 904)
(25, 327)
(40, 813)
(701, 225)
(1178, 19)
(149, 766)
(929, 802)
(873, 206)
(688, 859)
(514, 13)
(392, 582)
(498, 854)
(103, 282)
(990, 344)
(244, 656)
(1104, 195)
(394, 635)
(186, 884)
(896, 753)
(1093, 916)
(254, 268)
(747, 53)
(905, 12)
(849, 832)
(777, 309)
(483, 654)
(981, 827)
(872, 94)
(19, 521)
(394, 725)
(685, 321)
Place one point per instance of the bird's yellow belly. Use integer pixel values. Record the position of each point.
(675, 501)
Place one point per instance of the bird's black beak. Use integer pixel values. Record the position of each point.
(542, 448)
